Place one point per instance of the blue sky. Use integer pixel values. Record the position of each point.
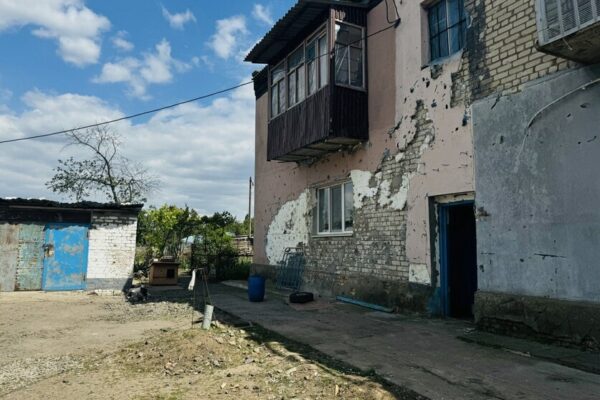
(71, 62)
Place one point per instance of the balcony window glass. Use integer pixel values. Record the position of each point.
(312, 62)
(335, 209)
(323, 62)
(301, 74)
(349, 55)
(296, 80)
(447, 28)
(277, 90)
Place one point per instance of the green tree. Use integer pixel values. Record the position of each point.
(165, 229)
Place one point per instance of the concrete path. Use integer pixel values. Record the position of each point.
(421, 354)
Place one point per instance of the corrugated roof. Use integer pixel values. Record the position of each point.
(287, 29)
(85, 205)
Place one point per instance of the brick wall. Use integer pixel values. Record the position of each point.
(372, 264)
(502, 50)
(111, 249)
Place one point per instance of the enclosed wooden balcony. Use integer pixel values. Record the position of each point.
(315, 79)
(328, 121)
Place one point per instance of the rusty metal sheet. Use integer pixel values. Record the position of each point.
(30, 257)
(9, 246)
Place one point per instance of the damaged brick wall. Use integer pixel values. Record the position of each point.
(420, 146)
(372, 264)
(502, 54)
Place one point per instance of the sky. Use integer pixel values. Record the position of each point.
(67, 63)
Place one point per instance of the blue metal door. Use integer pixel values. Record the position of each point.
(458, 258)
(65, 257)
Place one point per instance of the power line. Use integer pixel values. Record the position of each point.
(155, 110)
(112, 121)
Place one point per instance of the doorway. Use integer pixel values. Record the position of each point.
(458, 258)
(65, 257)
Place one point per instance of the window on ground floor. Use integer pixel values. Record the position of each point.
(335, 209)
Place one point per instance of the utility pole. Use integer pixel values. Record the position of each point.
(250, 209)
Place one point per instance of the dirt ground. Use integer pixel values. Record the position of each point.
(80, 346)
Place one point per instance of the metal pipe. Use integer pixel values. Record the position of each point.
(364, 304)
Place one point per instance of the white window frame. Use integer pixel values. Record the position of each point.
(319, 33)
(345, 231)
(364, 57)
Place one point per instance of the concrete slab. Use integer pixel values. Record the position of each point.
(574, 358)
(421, 354)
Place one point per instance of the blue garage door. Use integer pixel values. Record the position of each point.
(65, 257)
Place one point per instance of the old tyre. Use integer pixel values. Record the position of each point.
(301, 297)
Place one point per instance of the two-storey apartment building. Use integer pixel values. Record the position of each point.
(436, 156)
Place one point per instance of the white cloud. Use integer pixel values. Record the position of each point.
(178, 20)
(202, 152)
(262, 14)
(152, 68)
(227, 39)
(120, 43)
(76, 28)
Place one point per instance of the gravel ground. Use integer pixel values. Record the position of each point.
(102, 347)
(21, 373)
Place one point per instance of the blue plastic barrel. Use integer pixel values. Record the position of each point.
(256, 288)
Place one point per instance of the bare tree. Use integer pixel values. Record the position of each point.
(106, 172)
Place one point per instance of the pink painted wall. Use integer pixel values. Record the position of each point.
(277, 183)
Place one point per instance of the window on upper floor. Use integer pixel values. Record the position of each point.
(278, 90)
(296, 77)
(300, 75)
(316, 58)
(447, 28)
(335, 209)
(349, 55)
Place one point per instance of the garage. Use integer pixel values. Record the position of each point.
(52, 246)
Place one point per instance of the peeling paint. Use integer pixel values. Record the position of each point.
(419, 273)
(361, 182)
(289, 228)
(367, 185)
(384, 194)
(398, 200)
